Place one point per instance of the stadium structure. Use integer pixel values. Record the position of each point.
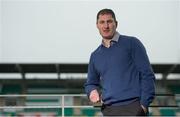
(57, 90)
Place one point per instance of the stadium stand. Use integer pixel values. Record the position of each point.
(32, 93)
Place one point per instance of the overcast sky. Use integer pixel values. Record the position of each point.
(64, 31)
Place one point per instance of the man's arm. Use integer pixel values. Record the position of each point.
(92, 82)
(146, 73)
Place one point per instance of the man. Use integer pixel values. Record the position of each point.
(121, 68)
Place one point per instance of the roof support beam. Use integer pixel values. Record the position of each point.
(170, 70)
(58, 70)
(19, 68)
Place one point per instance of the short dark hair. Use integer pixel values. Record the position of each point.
(106, 11)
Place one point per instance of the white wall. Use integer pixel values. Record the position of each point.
(179, 30)
(0, 29)
(65, 31)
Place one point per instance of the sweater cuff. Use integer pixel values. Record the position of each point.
(144, 103)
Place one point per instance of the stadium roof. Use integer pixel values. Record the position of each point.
(57, 68)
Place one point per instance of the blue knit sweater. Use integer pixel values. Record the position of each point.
(123, 72)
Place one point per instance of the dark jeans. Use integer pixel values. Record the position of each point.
(133, 109)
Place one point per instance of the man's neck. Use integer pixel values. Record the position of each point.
(106, 42)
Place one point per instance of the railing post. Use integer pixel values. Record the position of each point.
(62, 106)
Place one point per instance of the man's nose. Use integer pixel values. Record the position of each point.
(106, 25)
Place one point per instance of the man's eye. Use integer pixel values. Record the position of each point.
(110, 21)
(101, 22)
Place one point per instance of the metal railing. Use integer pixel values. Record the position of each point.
(62, 101)
(61, 105)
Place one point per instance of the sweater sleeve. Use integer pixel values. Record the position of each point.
(147, 78)
(93, 79)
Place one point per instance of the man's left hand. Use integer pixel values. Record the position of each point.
(144, 109)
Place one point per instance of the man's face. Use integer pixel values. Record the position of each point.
(106, 26)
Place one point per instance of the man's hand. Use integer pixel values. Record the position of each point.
(145, 110)
(94, 96)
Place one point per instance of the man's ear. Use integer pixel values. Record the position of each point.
(116, 24)
(96, 25)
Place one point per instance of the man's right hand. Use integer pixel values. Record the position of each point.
(94, 96)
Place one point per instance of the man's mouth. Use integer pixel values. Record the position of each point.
(106, 31)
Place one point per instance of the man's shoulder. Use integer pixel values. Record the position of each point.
(127, 38)
(97, 50)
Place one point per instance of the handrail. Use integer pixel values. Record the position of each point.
(37, 95)
(63, 106)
